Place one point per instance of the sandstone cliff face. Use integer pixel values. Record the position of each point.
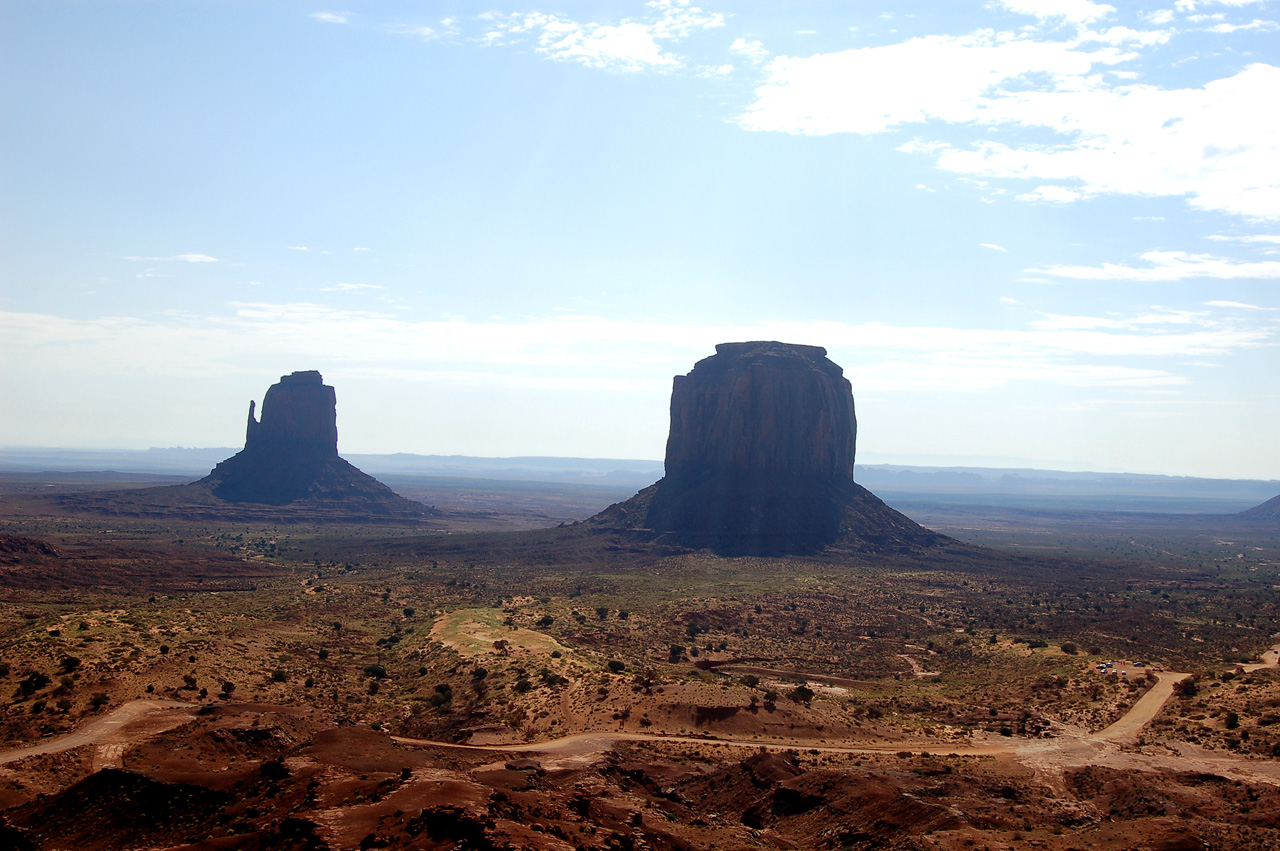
(760, 459)
(299, 416)
(291, 455)
(763, 410)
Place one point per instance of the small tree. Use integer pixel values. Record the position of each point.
(617, 666)
(227, 688)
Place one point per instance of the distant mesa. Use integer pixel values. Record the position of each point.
(1267, 512)
(760, 461)
(290, 456)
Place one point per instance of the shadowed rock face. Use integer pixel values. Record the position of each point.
(762, 411)
(299, 416)
(291, 455)
(760, 457)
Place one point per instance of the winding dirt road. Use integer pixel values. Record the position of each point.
(139, 719)
(130, 722)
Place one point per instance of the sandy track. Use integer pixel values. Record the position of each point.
(1140, 714)
(131, 722)
(138, 719)
(1048, 757)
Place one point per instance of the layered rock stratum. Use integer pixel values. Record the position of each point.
(760, 460)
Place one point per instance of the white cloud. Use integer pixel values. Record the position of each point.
(1052, 194)
(829, 92)
(1071, 11)
(994, 247)
(1168, 266)
(297, 248)
(1075, 351)
(1250, 239)
(631, 45)
(1214, 144)
(1255, 25)
(752, 50)
(1238, 305)
(350, 288)
(331, 17)
(424, 33)
(180, 258)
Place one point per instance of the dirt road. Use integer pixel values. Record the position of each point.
(1140, 714)
(138, 719)
(130, 722)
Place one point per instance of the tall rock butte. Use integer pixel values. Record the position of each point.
(760, 459)
(290, 455)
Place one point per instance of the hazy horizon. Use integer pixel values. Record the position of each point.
(1045, 232)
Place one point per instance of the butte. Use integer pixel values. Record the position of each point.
(290, 457)
(759, 461)
(289, 470)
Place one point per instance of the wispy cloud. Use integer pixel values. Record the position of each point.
(628, 45)
(1143, 350)
(993, 247)
(1239, 305)
(1114, 136)
(343, 287)
(753, 51)
(180, 258)
(1248, 239)
(331, 17)
(1167, 266)
(1071, 11)
(1256, 25)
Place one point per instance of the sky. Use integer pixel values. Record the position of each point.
(1032, 232)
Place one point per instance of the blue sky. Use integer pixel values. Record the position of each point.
(1031, 232)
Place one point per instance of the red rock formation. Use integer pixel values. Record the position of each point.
(763, 410)
(299, 415)
(760, 459)
(291, 455)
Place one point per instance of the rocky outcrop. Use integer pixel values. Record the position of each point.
(1266, 513)
(760, 459)
(290, 456)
